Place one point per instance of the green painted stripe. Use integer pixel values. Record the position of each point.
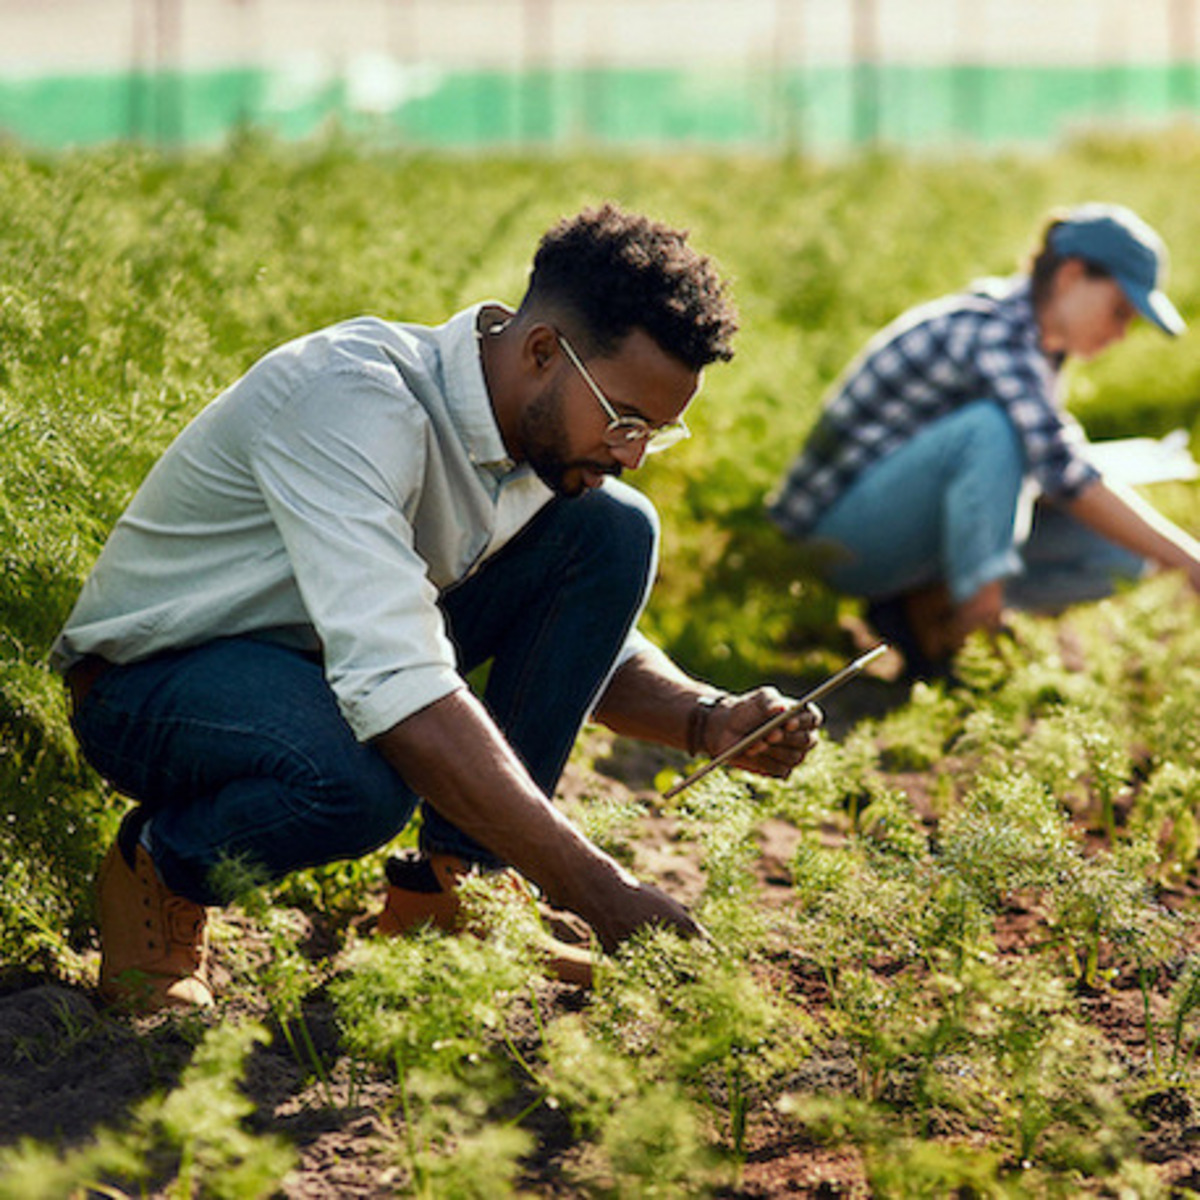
(819, 108)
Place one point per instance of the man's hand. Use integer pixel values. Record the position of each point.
(649, 697)
(452, 754)
(777, 754)
(629, 905)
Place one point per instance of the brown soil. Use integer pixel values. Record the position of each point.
(69, 1068)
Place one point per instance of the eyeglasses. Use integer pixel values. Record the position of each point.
(625, 431)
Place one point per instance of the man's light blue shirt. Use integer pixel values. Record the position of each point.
(325, 500)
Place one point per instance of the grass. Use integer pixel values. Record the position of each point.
(133, 286)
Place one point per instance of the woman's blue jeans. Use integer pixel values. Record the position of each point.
(237, 750)
(947, 507)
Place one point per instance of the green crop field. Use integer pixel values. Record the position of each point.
(976, 969)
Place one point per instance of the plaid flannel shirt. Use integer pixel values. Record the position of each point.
(980, 344)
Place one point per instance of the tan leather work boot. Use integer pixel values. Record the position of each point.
(423, 890)
(153, 943)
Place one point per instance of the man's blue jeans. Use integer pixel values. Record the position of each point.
(946, 507)
(237, 750)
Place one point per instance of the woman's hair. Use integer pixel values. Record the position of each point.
(606, 272)
(1046, 261)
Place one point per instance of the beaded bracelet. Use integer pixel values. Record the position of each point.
(697, 730)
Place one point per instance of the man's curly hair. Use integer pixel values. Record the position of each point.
(612, 272)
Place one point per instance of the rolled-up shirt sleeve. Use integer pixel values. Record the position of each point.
(341, 471)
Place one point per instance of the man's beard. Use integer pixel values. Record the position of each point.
(544, 442)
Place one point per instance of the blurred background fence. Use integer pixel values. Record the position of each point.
(780, 75)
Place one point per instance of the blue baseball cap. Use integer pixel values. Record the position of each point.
(1119, 241)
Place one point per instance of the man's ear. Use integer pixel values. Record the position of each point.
(541, 346)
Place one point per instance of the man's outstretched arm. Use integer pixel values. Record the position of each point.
(452, 754)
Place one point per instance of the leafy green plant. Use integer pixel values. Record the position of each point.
(610, 823)
(1170, 724)
(683, 1016)
(434, 1009)
(286, 976)
(1166, 814)
(1184, 1003)
(1103, 908)
(1060, 1098)
(194, 1137)
(1109, 767)
(848, 915)
(721, 817)
(915, 737)
(1008, 835)
(839, 780)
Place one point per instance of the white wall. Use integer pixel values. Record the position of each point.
(43, 36)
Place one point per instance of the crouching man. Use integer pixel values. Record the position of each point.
(269, 655)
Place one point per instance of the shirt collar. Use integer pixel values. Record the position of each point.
(1014, 293)
(466, 389)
